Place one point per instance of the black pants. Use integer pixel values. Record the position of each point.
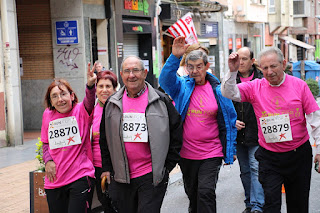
(140, 195)
(200, 179)
(103, 198)
(293, 169)
(72, 198)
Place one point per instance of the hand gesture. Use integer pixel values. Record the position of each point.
(91, 76)
(179, 46)
(234, 62)
(51, 171)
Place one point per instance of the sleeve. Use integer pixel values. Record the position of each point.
(314, 120)
(44, 138)
(309, 103)
(229, 87)
(168, 79)
(175, 125)
(105, 154)
(89, 99)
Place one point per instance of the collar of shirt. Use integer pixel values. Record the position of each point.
(284, 78)
(139, 93)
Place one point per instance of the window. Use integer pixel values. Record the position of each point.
(298, 7)
(272, 8)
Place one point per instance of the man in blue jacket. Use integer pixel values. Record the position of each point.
(209, 131)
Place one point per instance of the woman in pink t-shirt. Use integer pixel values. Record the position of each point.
(106, 86)
(65, 133)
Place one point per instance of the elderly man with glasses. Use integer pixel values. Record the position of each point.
(140, 140)
(209, 130)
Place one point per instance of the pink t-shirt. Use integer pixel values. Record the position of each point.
(293, 97)
(246, 79)
(200, 128)
(138, 153)
(72, 162)
(97, 162)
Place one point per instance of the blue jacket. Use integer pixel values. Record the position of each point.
(180, 90)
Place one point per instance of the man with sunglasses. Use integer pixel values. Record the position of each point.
(140, 140)
(209, 131)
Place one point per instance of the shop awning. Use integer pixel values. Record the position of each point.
(297, 42)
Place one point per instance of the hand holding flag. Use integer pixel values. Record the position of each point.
(184, 27)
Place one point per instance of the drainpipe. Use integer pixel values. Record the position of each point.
(14, 133)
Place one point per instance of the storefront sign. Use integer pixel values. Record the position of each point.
(137, 5)
(238, 43)
(230, 43)
(67, 32)
(209, 30)
(134, 28)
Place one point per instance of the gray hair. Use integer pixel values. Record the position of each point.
(132, 56)
(270, 50)
(196, 55)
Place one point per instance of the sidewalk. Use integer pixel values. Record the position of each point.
(15, 165)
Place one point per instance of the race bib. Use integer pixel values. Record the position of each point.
(276, 128)
(134, 127)
(63, 132)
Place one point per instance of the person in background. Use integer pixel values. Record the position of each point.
(105, 87)
(247, 137)
(209, 119)
(288, 69)
(182, 71)
(140, 141)
(282, 105)
(99, 67)
(65, 134)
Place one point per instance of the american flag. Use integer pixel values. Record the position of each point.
(184, 27)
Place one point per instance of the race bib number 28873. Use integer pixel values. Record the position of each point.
(63, 132)
(276, 128)
(134, 127)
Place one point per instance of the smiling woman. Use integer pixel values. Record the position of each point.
(65, 134)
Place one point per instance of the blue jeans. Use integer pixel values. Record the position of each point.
(249, 167)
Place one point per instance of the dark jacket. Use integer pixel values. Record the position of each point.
(249, 135)
(164, 131)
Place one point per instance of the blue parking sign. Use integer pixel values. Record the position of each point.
(67, 32)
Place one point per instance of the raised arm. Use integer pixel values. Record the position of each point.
(168, 80)
(89, 98)
(229, 87)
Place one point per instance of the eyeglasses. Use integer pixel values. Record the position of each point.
(62, 95)
(135, 71)
(198, 67)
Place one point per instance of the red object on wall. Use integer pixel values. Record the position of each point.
(230, 43)
(2, 112)
(238, 43)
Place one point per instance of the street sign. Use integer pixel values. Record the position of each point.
(67, 32)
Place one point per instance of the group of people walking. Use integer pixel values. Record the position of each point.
(132, 138)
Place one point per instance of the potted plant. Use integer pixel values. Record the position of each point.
(38, 198)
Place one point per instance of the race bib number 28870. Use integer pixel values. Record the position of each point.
(63, 132)
(276, 128)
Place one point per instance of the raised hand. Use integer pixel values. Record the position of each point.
(91, 76)
(234, 62)
(179, 46)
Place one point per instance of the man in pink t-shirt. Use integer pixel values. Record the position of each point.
(282, 105)
(140, 140)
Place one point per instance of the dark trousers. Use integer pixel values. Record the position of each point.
(293, 169)
(102, 197)
(140, 195)
(72, 198)
(200, 179)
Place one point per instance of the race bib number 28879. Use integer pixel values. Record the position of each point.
(63, 132)
(276, 128)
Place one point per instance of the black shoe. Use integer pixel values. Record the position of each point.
(256, 211)
(247, 210)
